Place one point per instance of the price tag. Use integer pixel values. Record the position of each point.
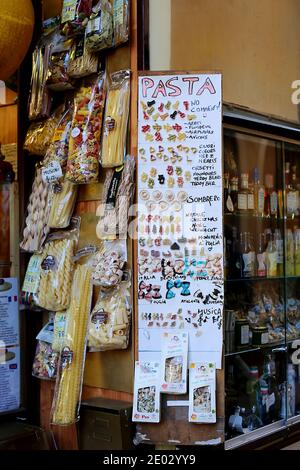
(52, 172)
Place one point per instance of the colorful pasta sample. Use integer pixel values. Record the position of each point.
(84, 146)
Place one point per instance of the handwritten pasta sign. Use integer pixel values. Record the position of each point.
(180, 199)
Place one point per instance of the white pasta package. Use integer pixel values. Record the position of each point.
(174, 357)
(202, 395)
(146, 399)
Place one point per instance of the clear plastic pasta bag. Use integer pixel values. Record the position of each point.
(59, 146)
(68, 387)
(99, 30)
(84, 146)
(118, 191)
(58, 78)
(121, 21)
(82, 61)
(74, 16)
(108, 263)
(36, 223)
(45, 361)
(39, 97)
(40, 134)
(63, 204)
(55, 268)
(110, 320)
(116, 120)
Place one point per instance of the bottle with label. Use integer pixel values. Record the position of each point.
(243, 194)
(271, 198)
(279, 246)
(261, 257)
(259, 194)
(269, 391)
(234, 187)
(235, 255)
(290, 254)
(296, 184)
(248, 257)
(271, 256)
(290, 193)
(297, 251)
(228, 204)
(250, 200)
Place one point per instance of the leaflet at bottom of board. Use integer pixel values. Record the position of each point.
(146, 400)
(174, 354)
(202, 395)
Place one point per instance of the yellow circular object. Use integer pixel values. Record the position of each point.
(16, 28)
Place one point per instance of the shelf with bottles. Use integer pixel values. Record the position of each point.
(245, 198)
(255, 393)
(252, 255)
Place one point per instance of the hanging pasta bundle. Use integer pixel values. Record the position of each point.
(59, 145)
(82, 61)
(116, 120)
(68, 387)
(56, 275)
(99, 30)
(36, 227)
(110, 320)
(63, 203)
(117, 196)
(84, 146)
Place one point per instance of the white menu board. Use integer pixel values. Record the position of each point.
(180, 204)
(9, 345)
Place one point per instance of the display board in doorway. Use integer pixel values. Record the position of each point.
(180, 201)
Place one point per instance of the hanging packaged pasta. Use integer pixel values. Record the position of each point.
(63, 203)
(84, 145)
(121, 21)
(40, 98)
(99, 30)
(109, 324)
(74, 16)
(58, 78)
(45, 361)
(108, 263)
(36, 223)
(40, 134)
(56, 269)
(116, 120)
(68, 387)
(118, 191)
(59, 146)
(83, 62)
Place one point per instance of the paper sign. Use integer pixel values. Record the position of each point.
(180, 215)
(52, 172)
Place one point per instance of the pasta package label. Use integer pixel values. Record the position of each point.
(146, 400)
(52, 172)
(32, 277)
(68, 11)
(202, 395)
(174, 362)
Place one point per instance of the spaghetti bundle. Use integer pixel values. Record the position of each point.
(63, 202)
(116, 120)
(69, 382)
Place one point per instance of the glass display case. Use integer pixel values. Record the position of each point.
(262, 284)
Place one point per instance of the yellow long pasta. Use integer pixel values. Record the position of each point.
(63, 205)
(69, 382)
(116, 119)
